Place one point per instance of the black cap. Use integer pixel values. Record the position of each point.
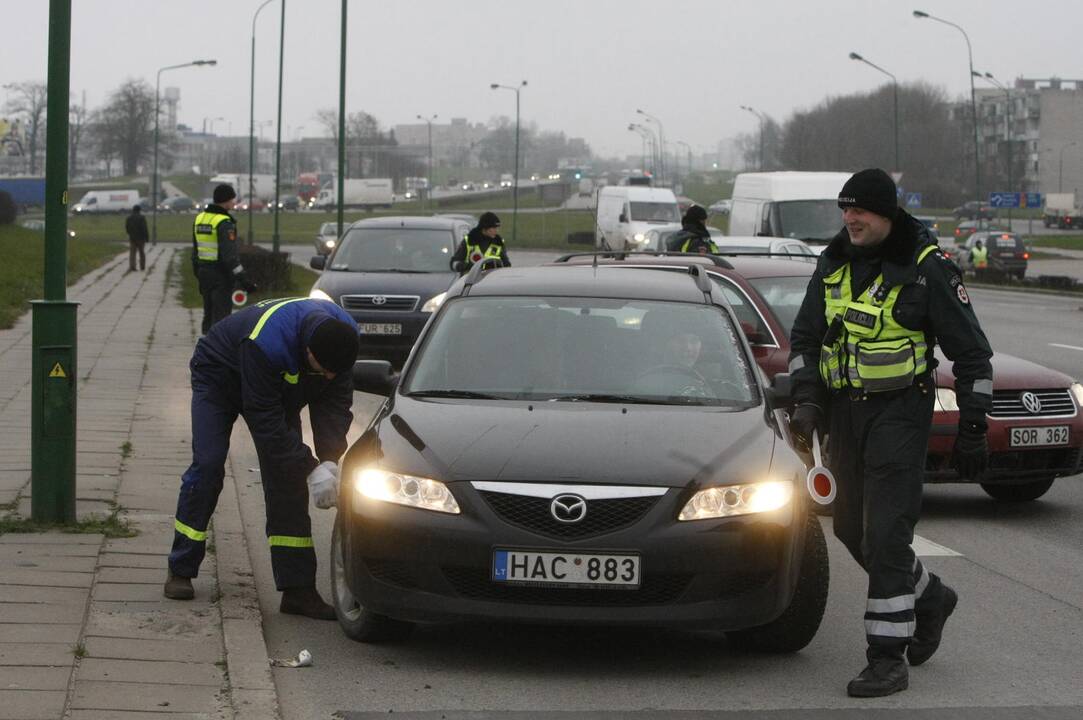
(872, 190)
(695, 214)
(334, 345)
(136, 208)
(488, 220)
(224, 193)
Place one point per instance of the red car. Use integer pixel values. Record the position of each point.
(1035, 428)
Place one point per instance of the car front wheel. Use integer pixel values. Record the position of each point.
(358, 623)
(797, 625)
(1024, 492)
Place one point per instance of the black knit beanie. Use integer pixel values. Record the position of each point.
(695, 214)
(488, 220)
(872, 190)
(224, 193)
(334, 345)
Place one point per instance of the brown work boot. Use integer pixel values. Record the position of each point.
(178, 588)
(305, 601)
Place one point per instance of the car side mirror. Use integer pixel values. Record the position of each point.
(780, 393)
(374, 376)
(317, 262)
(623, 218)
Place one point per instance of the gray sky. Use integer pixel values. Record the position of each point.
(589, 63)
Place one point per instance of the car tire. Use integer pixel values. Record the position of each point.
(797, 625)
(1023, 492)
(356, 622)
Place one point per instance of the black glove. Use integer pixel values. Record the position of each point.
(245, 284)
(457, 266)
(970, 456)
(806, 419)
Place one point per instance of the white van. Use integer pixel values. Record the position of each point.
(627, 213)
(801, 205)
(102, 201)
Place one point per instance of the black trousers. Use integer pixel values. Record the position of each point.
(216, 287)
(877, 453)
(135, 248)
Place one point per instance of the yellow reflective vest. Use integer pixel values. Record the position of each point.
(206, 235)
(980, 257)
(474, 253)
(865, 348)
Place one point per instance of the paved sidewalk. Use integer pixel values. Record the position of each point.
(85, 633)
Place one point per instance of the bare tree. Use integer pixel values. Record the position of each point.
(125, 125)
(28, 103)
(77, 125)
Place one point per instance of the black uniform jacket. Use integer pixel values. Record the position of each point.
(478, 240)
(932, 299)
(697, 232)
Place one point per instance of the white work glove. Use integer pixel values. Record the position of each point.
(323, 484)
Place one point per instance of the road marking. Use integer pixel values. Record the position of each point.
(1069, 347)
(927, 548)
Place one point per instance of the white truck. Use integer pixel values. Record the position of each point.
(263, 186)
(1062, 211)
(104, 201)
(364, 193)
(627, 213)
(802, 205)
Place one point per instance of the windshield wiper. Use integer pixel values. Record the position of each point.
(390, 270)
(453, 394)
(605, 398)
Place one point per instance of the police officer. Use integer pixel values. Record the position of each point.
(481, 243)
(693, 237)
(979, 258)
(215, 260)
(862, 366)
(266, 362)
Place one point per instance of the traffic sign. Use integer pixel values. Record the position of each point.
(1004, 199)
(913, 200)
(897, 177)
(1032, 200)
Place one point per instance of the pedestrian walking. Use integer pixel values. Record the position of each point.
(481, 243)
(136, 227)
(215, 260)
(266, 363)
(862, 366)
(693, 237)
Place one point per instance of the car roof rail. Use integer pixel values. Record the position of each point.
(474, 274)
(699, 274)
(622, 254)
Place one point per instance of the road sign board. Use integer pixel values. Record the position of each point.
(1032, 200)
(913, 200)
(1004, 199)
(897, 177)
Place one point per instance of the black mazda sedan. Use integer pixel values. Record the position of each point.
(577, 444)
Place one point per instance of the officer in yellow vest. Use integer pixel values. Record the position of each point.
(861, 363)
(481, 243)
(979, 258)
(215, 260)
(693, 237)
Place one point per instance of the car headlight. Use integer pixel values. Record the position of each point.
(329, 244)
(639, 237)
(317, 294)
(405, 490)
(731, 500)
(1077, 393)
(433, 304)
(945, 400)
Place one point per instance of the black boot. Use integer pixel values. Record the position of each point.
(178, 588)
(882, 676)
(930, 628)
(305, 601)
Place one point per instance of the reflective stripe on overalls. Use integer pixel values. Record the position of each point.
(865, 348)
(291, 378)
(474, 253)
(206, 235)
(711, 247)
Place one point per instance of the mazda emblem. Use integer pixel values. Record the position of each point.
(568, 508)
(379, 300)
(1031, 402)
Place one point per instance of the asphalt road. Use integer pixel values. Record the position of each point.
(1011, 650)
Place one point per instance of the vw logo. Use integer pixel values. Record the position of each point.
(379, 300)
(1031, 402)
(568, 508)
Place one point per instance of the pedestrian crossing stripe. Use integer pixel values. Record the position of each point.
(57, 372)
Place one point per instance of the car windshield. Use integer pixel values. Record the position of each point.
(583, 350)
(809, 219)
(655, 212)
(394, 250)
(329, 229)
(783, 295)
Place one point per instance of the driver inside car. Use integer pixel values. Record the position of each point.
(673, 371)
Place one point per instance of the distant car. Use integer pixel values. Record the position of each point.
(791, 248)
(177, 204)
(289, 202)
(1007, 253)
(722, 207)
(255, 203)
(965, 229)
(204, 204)
(973, 210)
(467, 186)
(145, 204)
(390, 274)
(327, 238)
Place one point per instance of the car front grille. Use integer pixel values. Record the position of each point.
(402, 303)
(603, 516)
(656, 589)
(392, 572)
(1009, 403)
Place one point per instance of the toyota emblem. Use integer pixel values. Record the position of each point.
(568, 508)
(1031, 402)
(379, 300)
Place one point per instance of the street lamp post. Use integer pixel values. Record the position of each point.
(759, 115)
(1007, 127)
(661, 144)
(973, 105)
(652, 142)
(895, 89)
(157, 111)
(252, 124)
(644, 134)
(428, 190)
(515, 180)
(278, 125)
(688, 149)
(339, 213)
